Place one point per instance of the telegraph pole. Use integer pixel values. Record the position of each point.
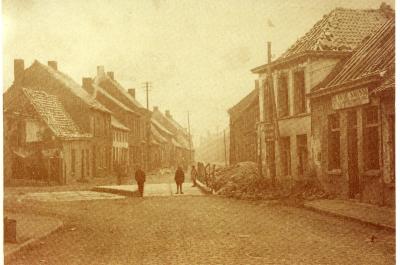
(148, 124)
(190, 139)
(226, 164)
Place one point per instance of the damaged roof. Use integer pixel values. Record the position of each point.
(336, 34)
(52, 112)
(340, 30)
(374, 57)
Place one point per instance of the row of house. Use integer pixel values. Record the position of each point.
(56, 130)
(325, 108)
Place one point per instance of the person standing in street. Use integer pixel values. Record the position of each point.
(179, 179)
(140, 178)
(193, 175)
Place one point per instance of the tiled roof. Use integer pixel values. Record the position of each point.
(244, 103)
(160, 127)
(70, 84)
(99, 80)
(53, 114)
(156, 135)
(340, 30)
(116, 124)
(99, 89)
(374, 57)
(387, 85)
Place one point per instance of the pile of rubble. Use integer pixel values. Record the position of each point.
(242, 181)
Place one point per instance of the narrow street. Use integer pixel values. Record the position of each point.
(198, 230)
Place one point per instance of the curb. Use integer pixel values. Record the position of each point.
(32, 242)
(127, 193)
(203, 187)
(351, 218)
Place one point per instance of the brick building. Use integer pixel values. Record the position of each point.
(41, 141)
(243, 119)
(88, 114)
(285, 113)
(353, 123)
(127, 110)
(179, 151)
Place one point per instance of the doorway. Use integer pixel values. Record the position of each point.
(352, 154)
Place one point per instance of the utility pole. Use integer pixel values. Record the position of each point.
(226, 164)
(148, 124)
(190, 139)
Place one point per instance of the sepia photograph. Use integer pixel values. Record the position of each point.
(210, 132)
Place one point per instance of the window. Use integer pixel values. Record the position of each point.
(283, 96)
(285, 156)
(83, 164)
(333, 142)
(302, 153)
(299, 92)
(371, 138)
(268, 102)
(87, 163)
(73, 162)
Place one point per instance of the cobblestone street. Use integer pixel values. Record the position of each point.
(199, 230)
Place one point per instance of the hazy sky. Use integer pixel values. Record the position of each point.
(197, 54)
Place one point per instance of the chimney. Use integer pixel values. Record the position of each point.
(18, 72)
(155, 108)
(87, 85)
(52, 64)
(269, 58)
(111, 75)
(168, 114)
(100, 71)
(132, 92)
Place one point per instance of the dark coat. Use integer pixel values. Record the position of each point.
(140, 176)
(179, 176)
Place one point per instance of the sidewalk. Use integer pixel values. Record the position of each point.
(30, 230)
(382, 217)
(150, 190)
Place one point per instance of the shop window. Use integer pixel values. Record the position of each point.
(285, 156)
(371, 138)
(333, 142)
(283, 96)
(299, 92)
(302, 153)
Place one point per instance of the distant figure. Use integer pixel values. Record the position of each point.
(140, 177)
(193, 175)
(179, 179)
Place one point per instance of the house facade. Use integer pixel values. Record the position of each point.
(353, 124)
(285, 112)
(88, 114)
(42, 144)
(243, 120)
(131, 113)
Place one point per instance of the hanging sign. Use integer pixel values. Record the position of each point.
(350, 99)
